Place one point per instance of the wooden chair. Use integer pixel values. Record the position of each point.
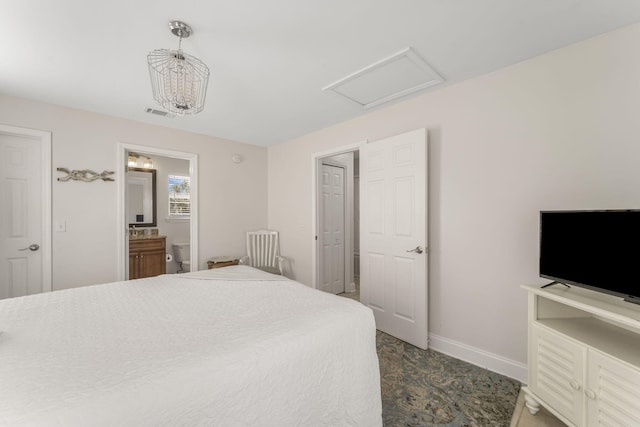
(263, 251)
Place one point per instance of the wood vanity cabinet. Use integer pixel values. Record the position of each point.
(147, 257)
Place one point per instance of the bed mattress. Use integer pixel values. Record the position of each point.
(223, 347)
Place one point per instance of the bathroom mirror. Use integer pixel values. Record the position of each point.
(141, 197)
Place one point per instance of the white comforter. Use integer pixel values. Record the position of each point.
(201, 349)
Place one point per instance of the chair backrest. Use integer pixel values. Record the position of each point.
(262, 248)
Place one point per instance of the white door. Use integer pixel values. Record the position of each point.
(393, 234)
(332, 223)
(24, 212)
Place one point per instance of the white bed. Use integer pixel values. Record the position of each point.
(224, 347)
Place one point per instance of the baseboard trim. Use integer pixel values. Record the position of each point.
(478, 357)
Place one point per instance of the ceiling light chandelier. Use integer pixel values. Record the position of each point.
(178, 80)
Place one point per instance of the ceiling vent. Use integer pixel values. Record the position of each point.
(159, 112)
(393, 77)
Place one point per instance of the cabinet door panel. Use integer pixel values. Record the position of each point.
(152, 263)
(133, 265)
(557, 373)
(613, 392)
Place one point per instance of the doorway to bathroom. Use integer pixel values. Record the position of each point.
(175, 199)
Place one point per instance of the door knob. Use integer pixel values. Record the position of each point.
(32, 247)
(417, 250)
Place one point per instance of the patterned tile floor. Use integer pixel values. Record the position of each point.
(428, 388)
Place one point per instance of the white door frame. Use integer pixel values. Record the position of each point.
(316, 161)
(123, 234)
(45, 153)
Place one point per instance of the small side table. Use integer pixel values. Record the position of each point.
(221, 261)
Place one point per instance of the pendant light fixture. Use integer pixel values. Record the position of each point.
(178, 80)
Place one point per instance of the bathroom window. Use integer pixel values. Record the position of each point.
(179, 196)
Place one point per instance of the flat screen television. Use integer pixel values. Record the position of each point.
(598, 250)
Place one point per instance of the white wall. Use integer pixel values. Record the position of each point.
(232, 197)
(558, 131)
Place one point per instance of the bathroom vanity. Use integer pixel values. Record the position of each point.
(147, 256)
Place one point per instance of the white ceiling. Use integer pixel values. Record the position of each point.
(269, 59)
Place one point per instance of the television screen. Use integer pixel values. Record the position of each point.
(599, 250)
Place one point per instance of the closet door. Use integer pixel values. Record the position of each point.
(25, 212)
(332, 229)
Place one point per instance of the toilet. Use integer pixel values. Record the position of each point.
(182, 255)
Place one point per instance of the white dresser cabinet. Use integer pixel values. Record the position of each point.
(584, 357)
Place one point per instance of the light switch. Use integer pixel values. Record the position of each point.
(61, 226)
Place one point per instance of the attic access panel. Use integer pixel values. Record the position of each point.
(398, 75)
